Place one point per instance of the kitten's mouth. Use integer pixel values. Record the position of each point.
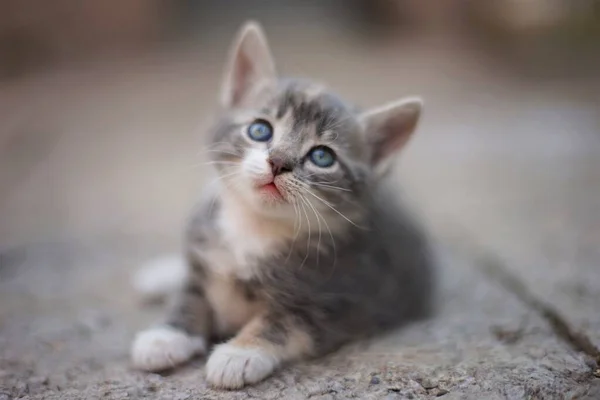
(271, 188)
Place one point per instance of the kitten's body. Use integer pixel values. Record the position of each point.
(371, 278)
(294, 255)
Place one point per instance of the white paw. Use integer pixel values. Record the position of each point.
(164, 347)
(232, 367)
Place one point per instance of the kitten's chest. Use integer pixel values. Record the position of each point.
(237, 256)
(234, 302)
(242, 248)
(232, 263)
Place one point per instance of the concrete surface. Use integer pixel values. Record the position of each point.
(99, 165)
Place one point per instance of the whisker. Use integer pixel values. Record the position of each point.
(320, 216)
(199, 165)
(331, 186)
(212, 163)
(296, 233)
(333, 208)
(213, 145)
(232, 153)
(308, 240)
(338, 122)
(221, 162)
(318, 222)
(221, 178)
(316, 174)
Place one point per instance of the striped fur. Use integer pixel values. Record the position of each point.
(330, 259)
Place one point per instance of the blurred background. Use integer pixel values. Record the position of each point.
(104, 105)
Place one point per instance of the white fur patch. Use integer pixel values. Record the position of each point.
(249, 235)
(164, 347)
(231, 308)
(160, 277)
(256, 167)
(233, 367)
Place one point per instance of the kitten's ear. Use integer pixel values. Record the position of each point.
(250, 65)
(388, 129)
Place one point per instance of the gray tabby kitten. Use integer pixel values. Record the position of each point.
(301, 249)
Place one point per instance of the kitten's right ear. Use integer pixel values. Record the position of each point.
(250, 66)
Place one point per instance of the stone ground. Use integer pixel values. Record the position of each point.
(100, 163)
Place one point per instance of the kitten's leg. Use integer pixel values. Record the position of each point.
(259, 348)
(183, 336)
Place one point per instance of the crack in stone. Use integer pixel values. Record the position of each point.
(495, 269)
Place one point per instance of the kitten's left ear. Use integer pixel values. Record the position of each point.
(388, 129)
(250, 66)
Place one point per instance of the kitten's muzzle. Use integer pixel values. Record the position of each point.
(279, 165)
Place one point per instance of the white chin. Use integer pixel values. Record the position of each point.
(262, 202)
(273, 206)
(269, 202)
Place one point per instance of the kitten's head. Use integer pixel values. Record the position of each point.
(282, 146)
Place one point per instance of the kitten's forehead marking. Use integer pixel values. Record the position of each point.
(313, 91)
(305, 115)
(309, 105)
(284, 127)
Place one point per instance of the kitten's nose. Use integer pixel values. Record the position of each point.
(279, 165)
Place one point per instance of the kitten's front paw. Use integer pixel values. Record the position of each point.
(233, 367)
(164, 347)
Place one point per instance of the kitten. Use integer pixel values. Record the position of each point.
(301, 249)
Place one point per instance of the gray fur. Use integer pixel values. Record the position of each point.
(362, 281)
(379, 275)
(363, 266)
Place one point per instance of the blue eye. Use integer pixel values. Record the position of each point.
(260, 130)
(322, 156)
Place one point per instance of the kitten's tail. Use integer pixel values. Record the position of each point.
(159, 278)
